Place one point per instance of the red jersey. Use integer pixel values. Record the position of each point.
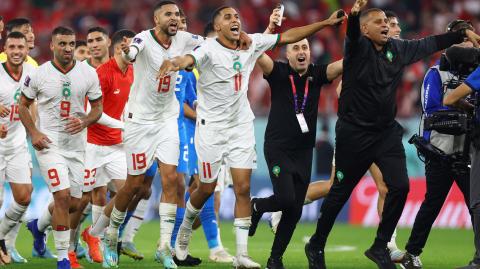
(115, 90)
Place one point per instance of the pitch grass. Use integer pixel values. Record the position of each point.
(446, 248)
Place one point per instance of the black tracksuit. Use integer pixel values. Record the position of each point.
(366, 129)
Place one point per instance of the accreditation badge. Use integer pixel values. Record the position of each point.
(302, 122)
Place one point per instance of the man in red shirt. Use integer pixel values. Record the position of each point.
(106, 160)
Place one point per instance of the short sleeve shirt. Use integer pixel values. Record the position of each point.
(283, 129)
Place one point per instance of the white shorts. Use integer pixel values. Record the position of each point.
(146, 142)
(102, 164)
(224, 179)
(15, 167)
(62, 170)
(234, 147)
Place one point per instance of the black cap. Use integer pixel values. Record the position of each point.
(457, 25)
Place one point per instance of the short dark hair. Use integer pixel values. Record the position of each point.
(16, 35)
(98, 29)
(14, 23)
(120, 34)
(208, 29)
(457, 25)
(390, 14)
(160, 4)
(62, 30)
(80, 43)
(182, 13)
(1, 18)
(217, 11)
(367, 12)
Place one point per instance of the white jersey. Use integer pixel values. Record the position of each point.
(10, 90)
(223, 82)
(151, 99)
(60, 95)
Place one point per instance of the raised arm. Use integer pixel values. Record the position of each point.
(298, 33)
(266, 64)
(353, 25)
(175, 64)
(334, 70)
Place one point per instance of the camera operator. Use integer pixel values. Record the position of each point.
(454, 98)
(439, 176)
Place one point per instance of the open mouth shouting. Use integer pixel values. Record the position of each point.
(235, 29)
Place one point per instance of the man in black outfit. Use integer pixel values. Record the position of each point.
(290, 138)
(366, 129)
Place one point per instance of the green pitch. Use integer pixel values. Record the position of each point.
(445, 248)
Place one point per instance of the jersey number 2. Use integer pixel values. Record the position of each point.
(164, 84)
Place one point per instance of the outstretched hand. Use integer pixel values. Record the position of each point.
(359, 4)
(337, 17)
(473, 37)
(275, 20)
(167, 67)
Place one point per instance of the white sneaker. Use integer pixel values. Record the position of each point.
(221, 256)
(275, 220)
(396, 255)
(244, 262)
(181, 245)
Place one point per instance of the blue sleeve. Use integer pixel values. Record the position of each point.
(473, 81)
(432, 94)
(190, 93)
(179, 84)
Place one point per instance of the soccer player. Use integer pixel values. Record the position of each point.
(224, 118)
(151, 130)
(14, 154)
(60, 87)
(366, 130)
(23, 26)
(81, 51)
(105, 158)
(98, 43)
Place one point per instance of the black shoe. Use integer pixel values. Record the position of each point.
(471, 265)
(274, 263)
(119, 252)
(315, 257)
(256, 216)
(381, 257)
(189, 261)
(411, 261)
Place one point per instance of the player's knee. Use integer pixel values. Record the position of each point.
(206, 189)
(242, 190)
(62, 200)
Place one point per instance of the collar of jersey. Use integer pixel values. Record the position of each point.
(10, 73)
(61, 70)
(158, 40)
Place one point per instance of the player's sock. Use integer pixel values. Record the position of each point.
(61, 237)
(44, 221)
(86, 212)
(178, 222)
(135, 222)
(73, 240)
(242, 225)
(187, 196)
(125, 222)
(209, 222)
(116, 219)
(11, 237)
(167, 222)
(191, 213)
(100, 226)
(219, 239)
(12, 216)
(97, 211)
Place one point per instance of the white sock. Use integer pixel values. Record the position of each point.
(116, 219)
(97, 211)
(100, 225)
(62, 240)
(11, 237)
(88, 209)
(12, 216)
(191, 213)
(219, 239)
(135, 222)
(241, 230)
(393, 244)
(73, 242)
(45, 220)
(167, 214)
